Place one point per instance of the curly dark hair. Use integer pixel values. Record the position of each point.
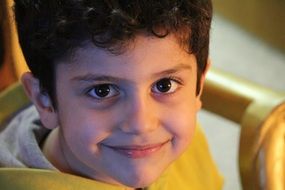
(50, 29)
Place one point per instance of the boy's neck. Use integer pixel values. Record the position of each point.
(52, 151)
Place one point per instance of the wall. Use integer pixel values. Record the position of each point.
(263, 18)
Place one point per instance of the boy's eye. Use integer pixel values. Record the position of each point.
(103, 91)
(165, 85)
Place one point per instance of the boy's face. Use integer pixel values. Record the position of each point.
(124, 118)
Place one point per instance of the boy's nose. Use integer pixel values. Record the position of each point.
(141, 116)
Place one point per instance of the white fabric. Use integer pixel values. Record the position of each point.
(20, 142)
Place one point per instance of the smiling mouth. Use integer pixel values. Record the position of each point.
(137, 151)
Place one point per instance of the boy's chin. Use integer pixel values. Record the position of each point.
(141, 181)
(140, 184)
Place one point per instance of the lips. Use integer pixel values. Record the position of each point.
(135, 151)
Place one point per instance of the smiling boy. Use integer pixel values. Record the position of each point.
(117, 83)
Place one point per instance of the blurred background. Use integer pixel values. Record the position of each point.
(247, 40)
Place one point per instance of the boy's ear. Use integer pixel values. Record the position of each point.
(202, 82)
(41, 100)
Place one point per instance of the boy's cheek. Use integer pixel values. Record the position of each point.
(181, 125)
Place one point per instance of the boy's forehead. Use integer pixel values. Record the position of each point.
(142, 45)
(147, 54)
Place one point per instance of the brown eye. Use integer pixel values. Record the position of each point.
(103, 91)
(165, 85)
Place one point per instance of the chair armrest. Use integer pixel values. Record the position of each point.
(261, 114)
(38, 179)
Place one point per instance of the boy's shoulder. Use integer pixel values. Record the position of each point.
(26, 115)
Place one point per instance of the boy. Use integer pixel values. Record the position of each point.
(118, 85)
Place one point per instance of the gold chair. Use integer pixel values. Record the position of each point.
(259, 111)
(9, 71)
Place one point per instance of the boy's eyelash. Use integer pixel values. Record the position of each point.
(87, 90)
(175, 79)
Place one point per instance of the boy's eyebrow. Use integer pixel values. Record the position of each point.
(174, 70)
(98, 77)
